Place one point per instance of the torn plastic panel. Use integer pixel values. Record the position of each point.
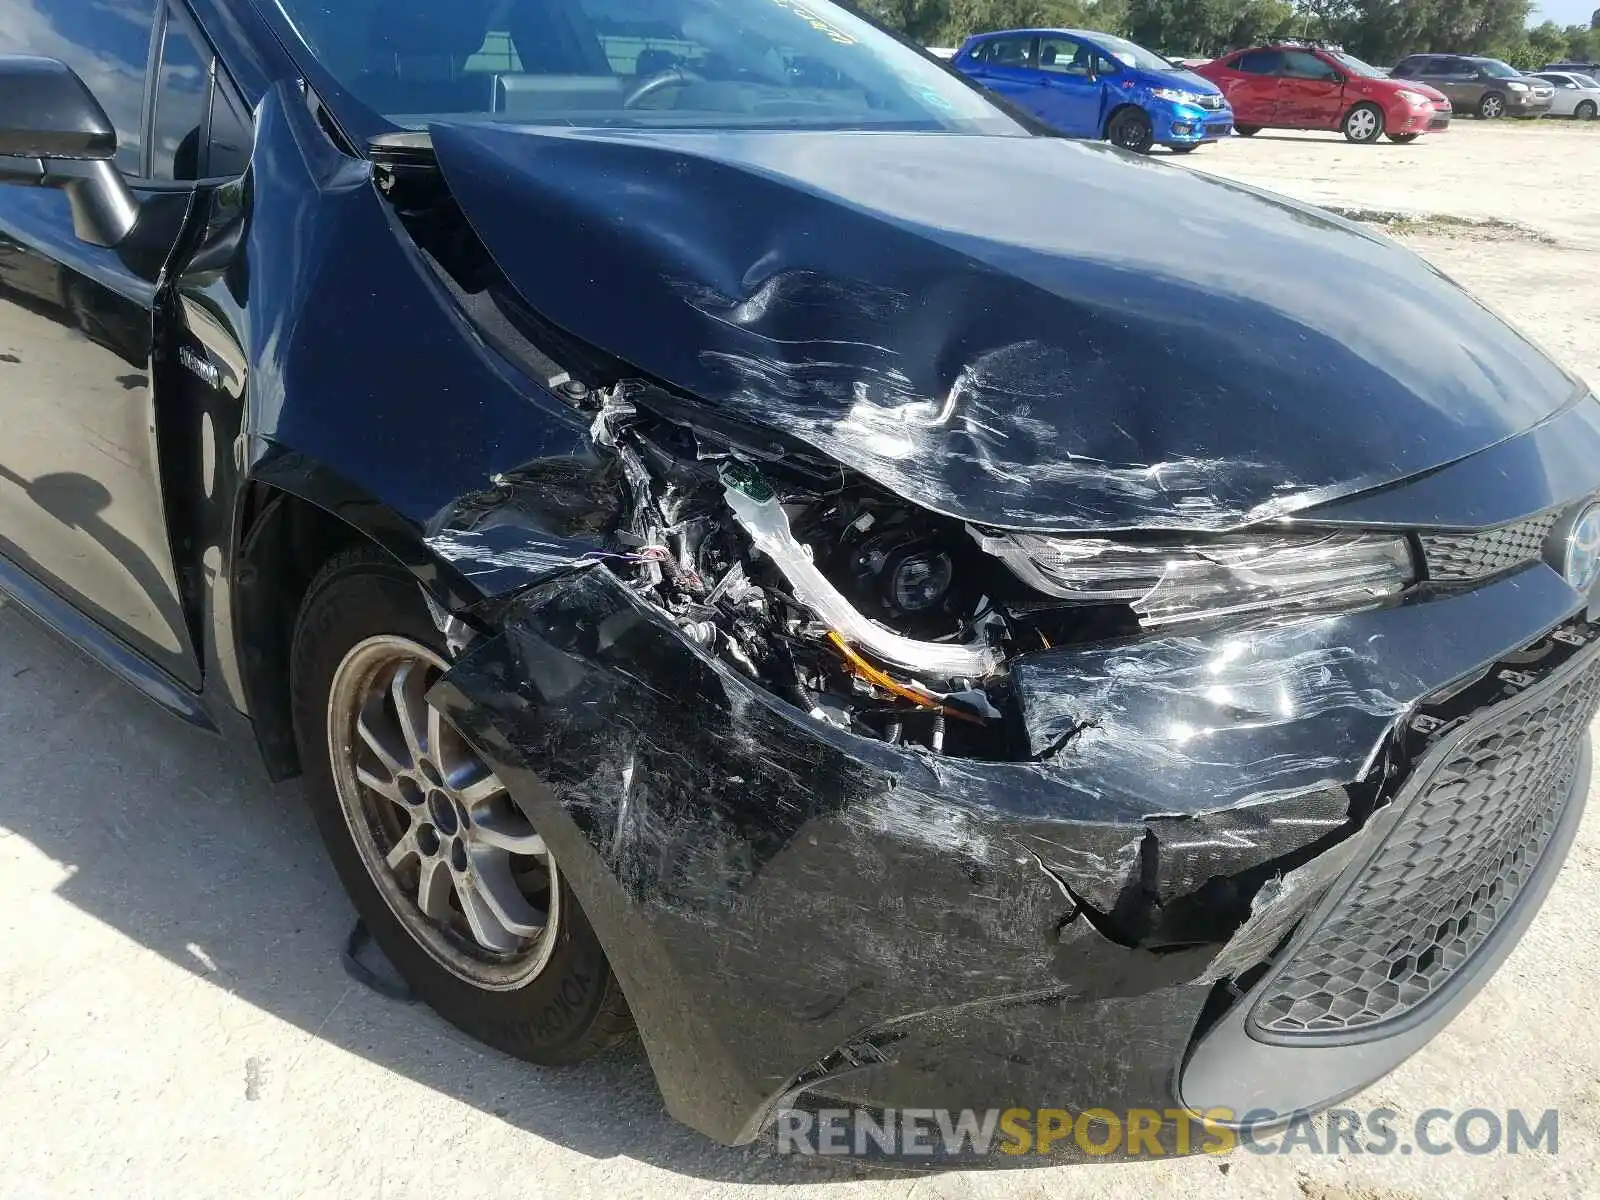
(805, 884)
(1117, 371)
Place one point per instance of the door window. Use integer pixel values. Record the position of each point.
(1063, 56)
(1008, 52)
(1260, 62)
(1297, 64)
(1443, 66)
(182, 85)
(106, 43)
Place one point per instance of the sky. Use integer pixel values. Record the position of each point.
(1563, 12)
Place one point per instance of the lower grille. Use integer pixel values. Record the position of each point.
(1447, 872)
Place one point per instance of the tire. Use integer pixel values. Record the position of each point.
(1363, 124)
(551, 999)
(1404, 139)
(1491, 107)
(1247, 130)
(1585, 111)
(1131, 130)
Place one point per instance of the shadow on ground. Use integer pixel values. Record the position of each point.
(176, 839)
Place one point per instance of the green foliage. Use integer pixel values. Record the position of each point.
(1381, 31)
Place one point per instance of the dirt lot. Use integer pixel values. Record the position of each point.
(174, 1019)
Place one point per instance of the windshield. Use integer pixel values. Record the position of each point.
(1586, 81)
(1131, 54)
(1498, 69)
(1356, 67)
(661, 63)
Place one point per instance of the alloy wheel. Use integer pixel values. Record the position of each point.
(1492, 108)
(456, 860)
(1585, 111)
(1133, 132)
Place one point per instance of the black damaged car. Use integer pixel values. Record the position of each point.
(744, 540)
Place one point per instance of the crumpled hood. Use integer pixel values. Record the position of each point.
(1020, 332)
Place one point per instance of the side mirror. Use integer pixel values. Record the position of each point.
(53, 133)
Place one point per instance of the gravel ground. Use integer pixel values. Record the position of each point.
(174, 1019)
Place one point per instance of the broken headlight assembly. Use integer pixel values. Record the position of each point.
(759, 511)
(1174, 583)
(890, 621)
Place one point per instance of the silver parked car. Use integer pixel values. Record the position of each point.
(1576, 95)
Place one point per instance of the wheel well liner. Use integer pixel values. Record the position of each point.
(285, 541)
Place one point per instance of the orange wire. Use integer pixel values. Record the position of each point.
(893, 686)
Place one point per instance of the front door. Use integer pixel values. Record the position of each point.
(1457, 79)
(1311, 94)
(81, 506)
(1072, 98)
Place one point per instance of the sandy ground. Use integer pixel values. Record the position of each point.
(174, 1019)
(1542, 174)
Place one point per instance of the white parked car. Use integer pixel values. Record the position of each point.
(1576, 95)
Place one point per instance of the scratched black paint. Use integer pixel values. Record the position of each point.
(789, 905)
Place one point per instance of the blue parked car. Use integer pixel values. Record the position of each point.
(1094, 85)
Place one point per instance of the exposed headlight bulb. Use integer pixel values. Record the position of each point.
(919, 581)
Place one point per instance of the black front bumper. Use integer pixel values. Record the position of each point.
(796, 911)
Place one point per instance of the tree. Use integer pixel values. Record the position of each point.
(1321, 17)
(1583, 45)
(915, 18)
(1548, 43)
(966, 17)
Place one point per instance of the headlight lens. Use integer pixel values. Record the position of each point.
(1175, 583)
(1516, 87)
(1415, 99)
(1176, 95)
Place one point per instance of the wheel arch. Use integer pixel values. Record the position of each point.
(291, 524)
(1366, 102)
(1117, 111)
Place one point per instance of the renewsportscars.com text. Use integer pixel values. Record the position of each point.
(924, 1133)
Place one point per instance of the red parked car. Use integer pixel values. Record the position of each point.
(1309, 87)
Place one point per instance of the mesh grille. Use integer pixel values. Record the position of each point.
(1476, 555)
(1445, 875)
